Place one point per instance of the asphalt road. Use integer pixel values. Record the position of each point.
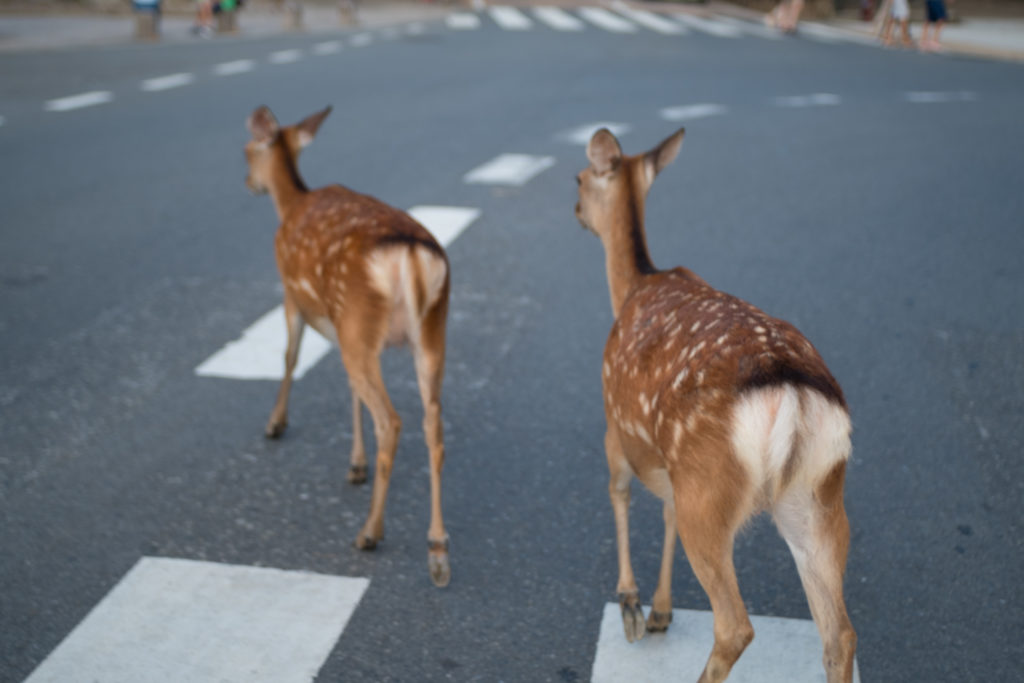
(887, 229)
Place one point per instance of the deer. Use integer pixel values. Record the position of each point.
(723, 412)
(366, 276)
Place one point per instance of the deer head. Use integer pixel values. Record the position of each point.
(273, 149)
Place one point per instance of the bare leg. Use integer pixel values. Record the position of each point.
(279, 415)
(620, 476)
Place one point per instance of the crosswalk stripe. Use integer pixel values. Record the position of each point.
(602, 18)
(183, 620)
(581, 134)
(86, 99)
(650, 20)
(822, 99)
(510, 18)
(259, 353)
(692, 111)
(167, 82)
(238, 66)
(783, 650)
(509, 169)
(558, 19)
(711, 27)
(462, 21)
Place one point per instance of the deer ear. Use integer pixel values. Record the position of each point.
(603, 151)
(262, 125)
(307, 128)
(664, 154)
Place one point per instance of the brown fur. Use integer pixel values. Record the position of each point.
(681, 359)
(370, 276)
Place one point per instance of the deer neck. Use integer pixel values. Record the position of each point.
(286, 186)
(627, 260)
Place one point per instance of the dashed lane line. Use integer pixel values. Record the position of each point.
(238, 66)
(285, 56)
(509, 169)
(328, 47)
(183, 620)
(86, 99)
(822, 99)
(927, 97)
(361, 39)
(167, 82)
(783, 651)
(690, 112)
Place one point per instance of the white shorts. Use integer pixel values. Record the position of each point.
(900, 10)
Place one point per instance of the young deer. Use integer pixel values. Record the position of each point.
(721, 411)
(364, 275)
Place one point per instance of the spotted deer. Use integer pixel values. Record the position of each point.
(722, 411)
(365, 276)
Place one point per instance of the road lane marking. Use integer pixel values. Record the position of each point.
(602, 18)
(328, 47)
(445, 223)
(692, 111)
(86, 99)
(783, 650)
(2, 120)
(167, 82)
(581, 134)
(237, 66)
(924, 97)
(509, 169)
(259, 353)
(462, 21)
(285, 56)
(510, 19)
(361, 39)
(708, 26)
(821, 99)
(650, 20)
(182, 620)
(558, 19)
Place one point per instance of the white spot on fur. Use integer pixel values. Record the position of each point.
(680, 377)
(695, 327)
(677, 433)
(718, 342)
(644, 436)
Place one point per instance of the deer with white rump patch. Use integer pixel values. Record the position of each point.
(722, 411)
(364, 275)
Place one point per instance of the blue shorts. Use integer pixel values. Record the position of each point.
(936, 10)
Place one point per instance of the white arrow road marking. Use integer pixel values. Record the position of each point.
(86, 99)
(182, 620)
(783, 651)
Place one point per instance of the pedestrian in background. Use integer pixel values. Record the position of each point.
(204, 18)
(785, 16)
(935, 17)
(899, 14)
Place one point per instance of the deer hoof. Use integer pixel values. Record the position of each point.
(364, 542)
(275, 428)
(658, 621)
(440, 571)
(632, 617)
(357, 474)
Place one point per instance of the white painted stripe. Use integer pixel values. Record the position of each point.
(510, 19)
(558, 19)
(582, 134)
(709, 26)
(692, 111)
(285, 56)
(509, 169)
(462, 21)
(415, 29)
(86, 99)
(602, 18)
(328, 47)
(650, 20)
(783, 651)
(238, 66)
(2, 120)
(259, 352)
(167, 82)
(816, 100)
(361, 39)
(182, 620)
(445, 223)
(921, 97)
(751, 28)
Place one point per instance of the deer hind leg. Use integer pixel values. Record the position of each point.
(708, 514)
(620, 476)
(429, 359)
(366, 378)
(661, 606)
(815, 527)
(279, 415)
(357, 471)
